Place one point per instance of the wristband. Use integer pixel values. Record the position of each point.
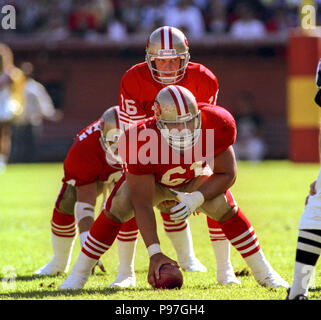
(153, 249)
(199, 198)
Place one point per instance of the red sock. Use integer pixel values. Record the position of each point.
(241, 234)
(128, 231)
(100, 237)
(215, 230)
(63, 225)
(171, 225)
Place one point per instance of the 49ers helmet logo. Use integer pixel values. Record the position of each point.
(157, 109)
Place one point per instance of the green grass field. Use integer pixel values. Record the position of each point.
(271, 194)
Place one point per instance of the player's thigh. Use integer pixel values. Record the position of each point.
(66, 199)
(217, 207)
(164, 199)
(119, 203)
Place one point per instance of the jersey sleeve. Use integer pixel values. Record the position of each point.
(225, 130)
(131, 109)
(208, 87)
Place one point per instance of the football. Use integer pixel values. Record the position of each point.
(170, 277)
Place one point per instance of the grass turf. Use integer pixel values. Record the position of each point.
(271, 194)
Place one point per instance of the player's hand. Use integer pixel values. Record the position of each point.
(318, 75)
(189, 202)
(312, 191)
(100, 265)
(155, 262)
(312, 188)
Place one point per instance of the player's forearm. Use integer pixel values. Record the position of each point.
(146, 222)
(217, 184)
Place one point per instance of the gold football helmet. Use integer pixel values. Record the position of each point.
(110, 132)
(177, 116)
(167, 43)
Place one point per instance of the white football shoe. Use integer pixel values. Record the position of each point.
(271, 279)
(79, 274)
(74, 282)
(194, 265)
(227, 277)
(51, 268)
(124, 281)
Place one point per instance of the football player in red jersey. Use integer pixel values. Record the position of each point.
(168, 62)
(88, 169)
(180, 130)
(167, 50)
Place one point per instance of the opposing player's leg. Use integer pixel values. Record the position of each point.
(221, 246)
(242, 236)
(307, 254)
(63, 233)
(126, 240)
(308, 247)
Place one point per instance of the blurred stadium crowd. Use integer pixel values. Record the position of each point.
(118, 19)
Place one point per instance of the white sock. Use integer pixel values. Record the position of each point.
(222, 253)
(126, 254)
(83, 266)
(62, 250)
(83, 237)
(183, 244)
(258, 263)
(302, 276)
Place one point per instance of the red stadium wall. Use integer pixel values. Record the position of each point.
(88, 76)
(303, 113)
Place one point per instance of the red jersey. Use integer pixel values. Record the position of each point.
(86, 160)
(174, 169)
(138, 90)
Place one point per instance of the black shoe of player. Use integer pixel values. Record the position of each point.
(298, 297)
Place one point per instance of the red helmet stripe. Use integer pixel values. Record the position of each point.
(183, 98)
(163, 38)
(170, 37)
(116, 117)
(175, 101)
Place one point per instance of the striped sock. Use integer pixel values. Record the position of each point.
(215, 230)
(126, 241)
(171, 226)
(128, 231)
(241, 234)
(100, 237)
(63, 235)
(181, 237)
(63, 225)
(307, 254)
(220, 244)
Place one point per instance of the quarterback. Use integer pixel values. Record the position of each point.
(180, 123)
